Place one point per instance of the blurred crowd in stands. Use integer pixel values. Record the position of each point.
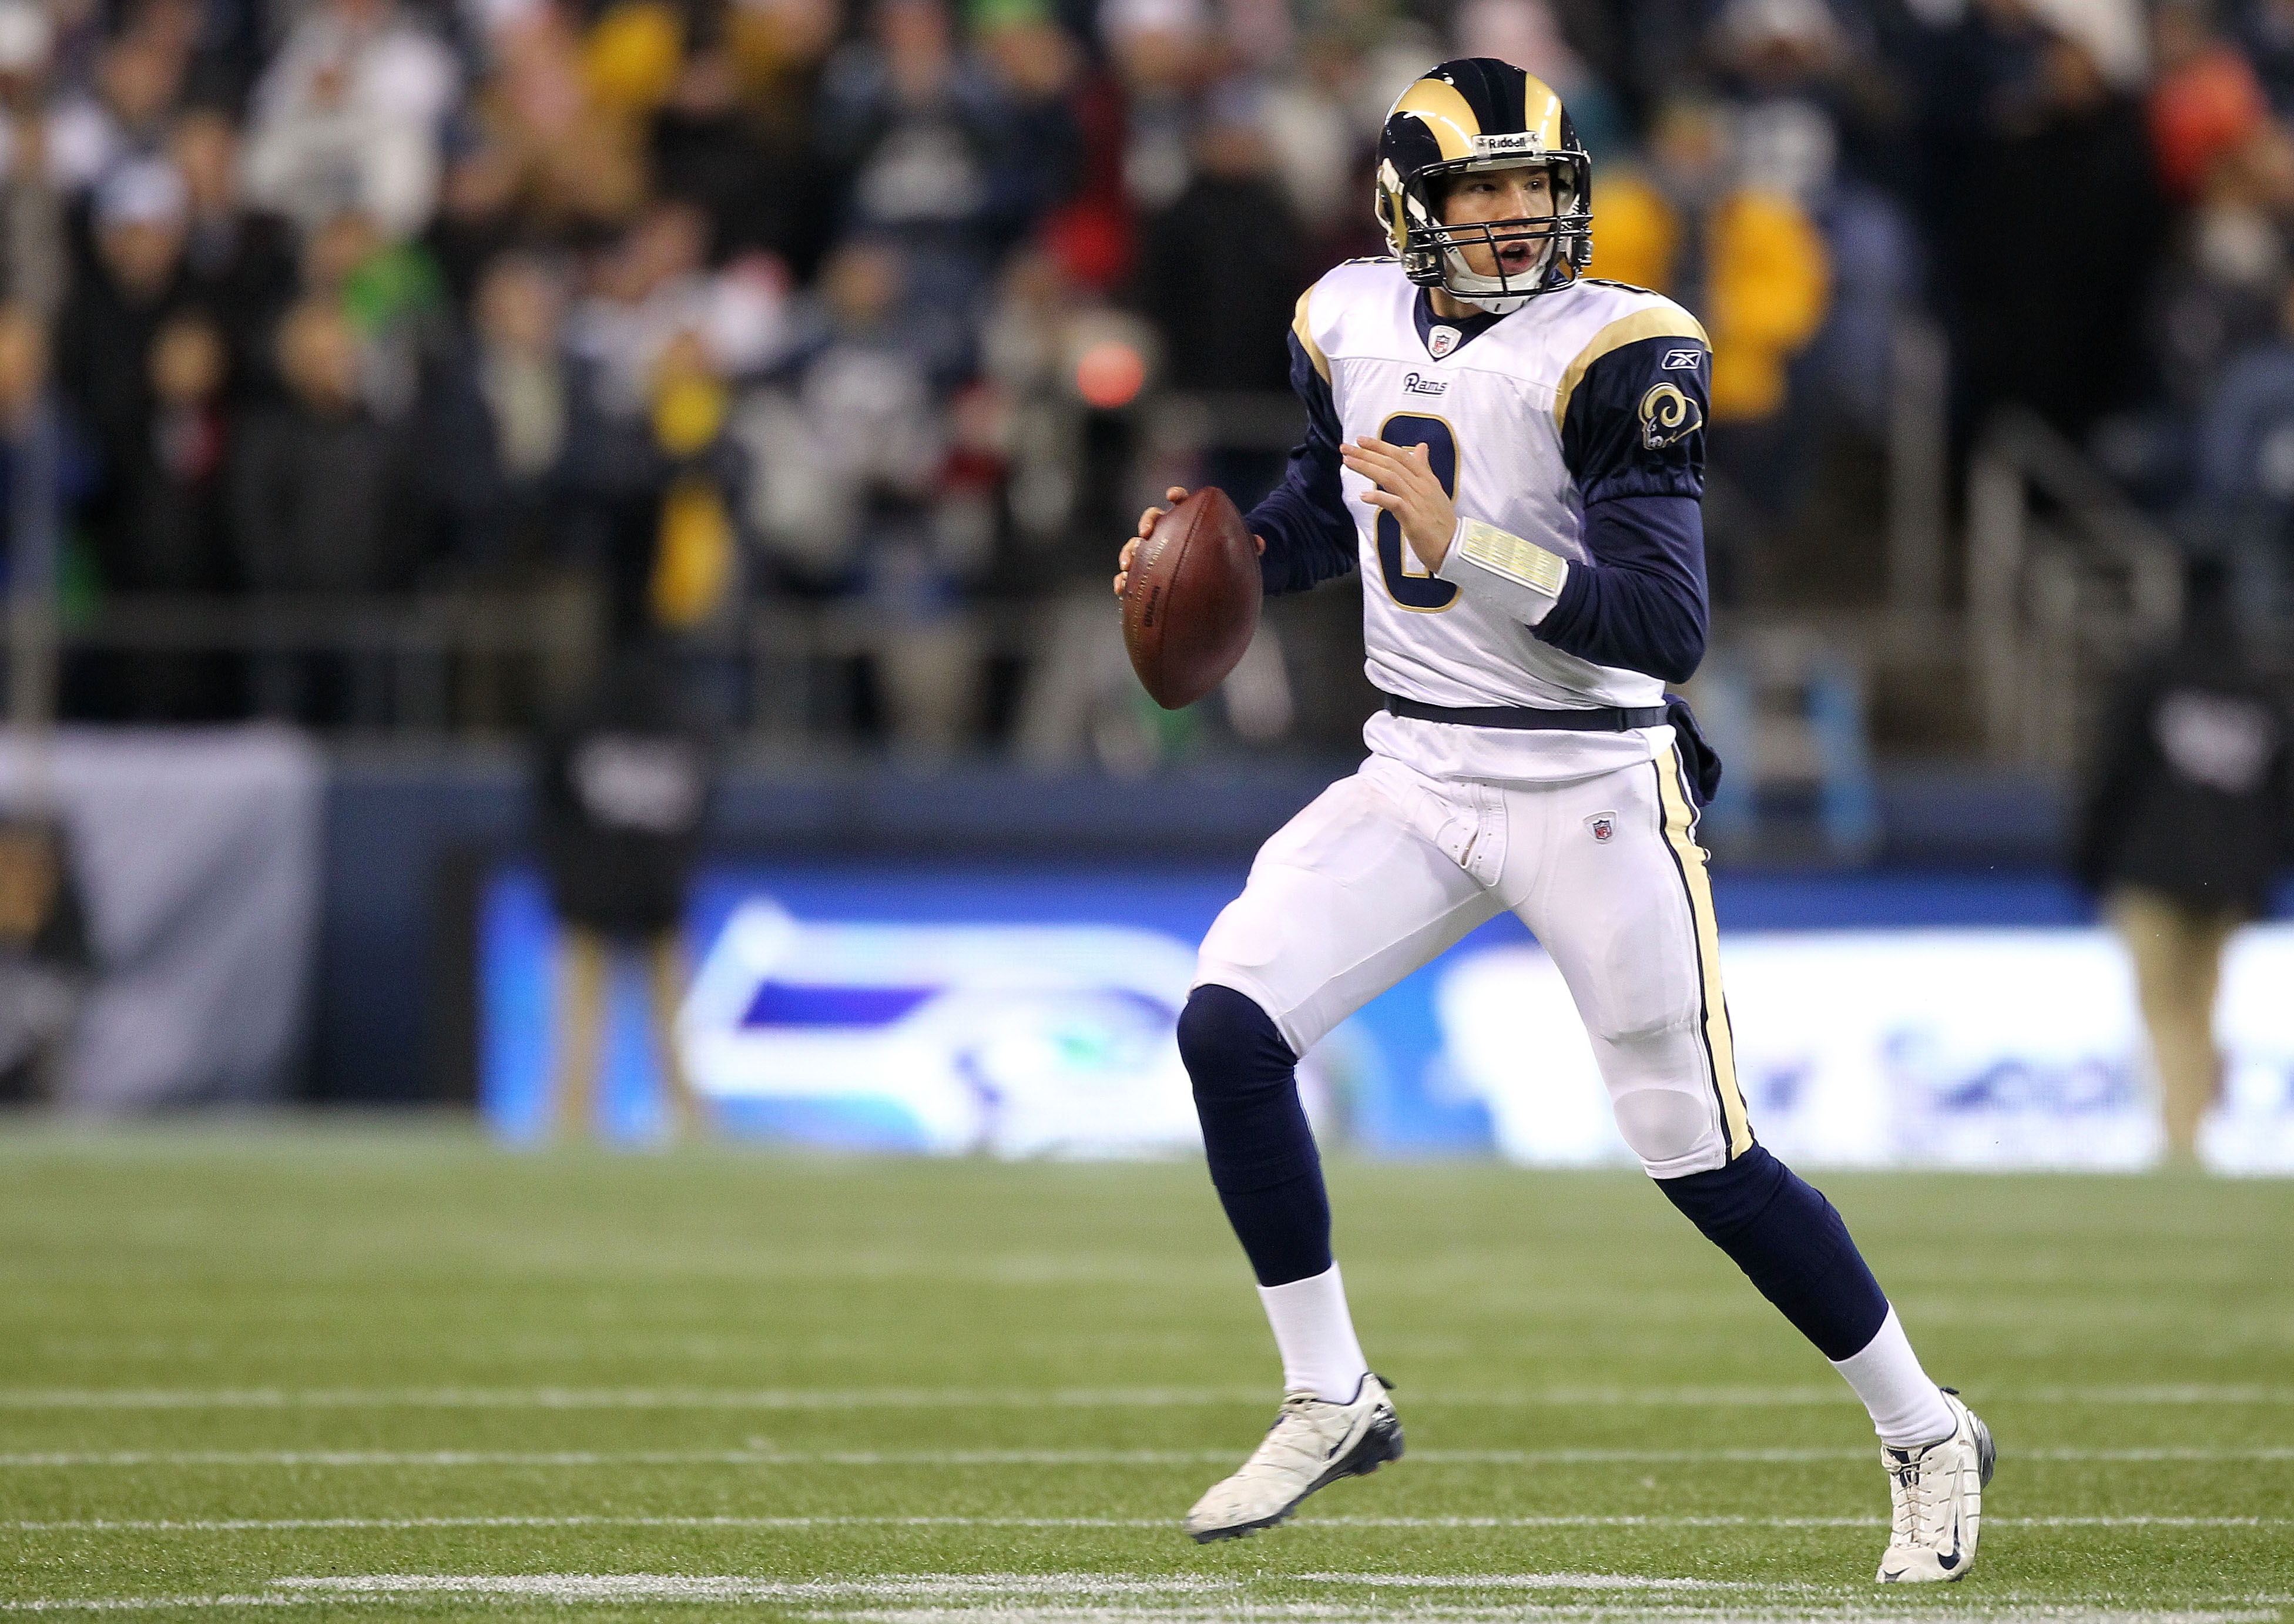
(899, 308)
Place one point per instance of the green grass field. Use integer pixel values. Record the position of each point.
(401, 1374)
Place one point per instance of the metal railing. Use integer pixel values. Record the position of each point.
(403, 654)
(2063, 574)
(487, 662)
(432, 663)
(1919, 455)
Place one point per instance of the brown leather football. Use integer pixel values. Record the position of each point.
(1192, 602)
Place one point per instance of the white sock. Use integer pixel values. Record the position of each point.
(1316, 1336)
(1907, 1409)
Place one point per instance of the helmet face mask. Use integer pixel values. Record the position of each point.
(1470, 116)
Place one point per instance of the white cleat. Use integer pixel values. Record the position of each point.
(1313, 1442)
(1939, 1495)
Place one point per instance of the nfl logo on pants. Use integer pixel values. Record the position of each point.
(1603, 824)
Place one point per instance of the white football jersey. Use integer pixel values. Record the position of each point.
(1488, 399)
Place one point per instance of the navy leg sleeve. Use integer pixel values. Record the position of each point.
(1782, 1234)
(1263, 1160)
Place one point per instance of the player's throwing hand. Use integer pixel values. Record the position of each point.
(1403, 483)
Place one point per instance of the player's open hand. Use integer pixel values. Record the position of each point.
(1404, 483)
(1174, 495)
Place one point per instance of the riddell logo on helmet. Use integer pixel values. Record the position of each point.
(1499, 146)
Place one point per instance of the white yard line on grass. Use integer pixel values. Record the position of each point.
(1120, 1397)
(680, 1586)
(1085, 1598)
(2131, 1520)
(150, 1603)
(1519, 1581)
(217, 1525)
(1027, 1457)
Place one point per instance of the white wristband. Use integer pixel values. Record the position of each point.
(1519, 577)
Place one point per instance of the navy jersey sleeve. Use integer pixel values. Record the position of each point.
(1633, 437)
(1639, 604)
(1309, 535)
(1635, 423)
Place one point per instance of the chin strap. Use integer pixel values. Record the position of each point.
(1487, 293)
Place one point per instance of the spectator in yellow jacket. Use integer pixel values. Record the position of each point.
(1748, 261)
(1752, 265)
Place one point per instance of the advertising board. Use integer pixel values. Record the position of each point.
(1990, 1048)
(1016, 1013)
(941, 1012)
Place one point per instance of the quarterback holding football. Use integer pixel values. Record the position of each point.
(1512, 452)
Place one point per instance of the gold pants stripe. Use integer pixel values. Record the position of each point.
(1720, 1040)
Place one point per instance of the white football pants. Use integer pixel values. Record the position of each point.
(1387, 868)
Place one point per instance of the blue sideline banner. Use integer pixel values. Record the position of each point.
(1027, 1012)
(1016, 1012)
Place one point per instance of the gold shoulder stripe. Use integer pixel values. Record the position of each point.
(1306, 332)
(1666, 321)
(1445, 110)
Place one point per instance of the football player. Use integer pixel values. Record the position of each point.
(1512, 452)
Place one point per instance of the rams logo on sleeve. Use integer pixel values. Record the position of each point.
(1667, 417)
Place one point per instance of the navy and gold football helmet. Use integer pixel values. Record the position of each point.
(1479, 113)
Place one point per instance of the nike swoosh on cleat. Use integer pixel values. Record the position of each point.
(1948, 1563)
(1889, 1578)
